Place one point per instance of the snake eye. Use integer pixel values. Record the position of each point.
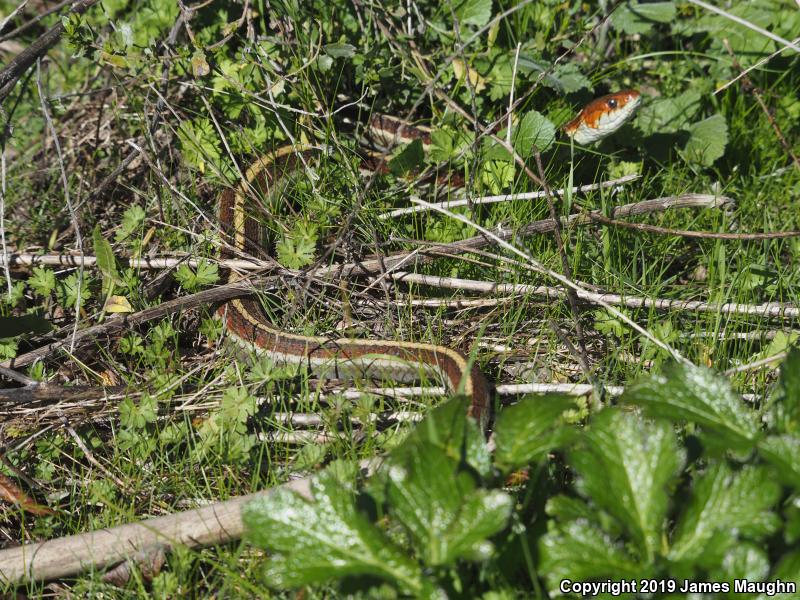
(612, 103)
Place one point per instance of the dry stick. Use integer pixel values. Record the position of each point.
(591, 187)
(216, 523)
(14, 376)
(768, 309)
(122, 322)
(538, 267)
(13, 14)
(712, 235)
(655, 205)
(365, 267)
(25, 26)
(25, 59)
(747, 85)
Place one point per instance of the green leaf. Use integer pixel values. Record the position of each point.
(784, 401)
(698, 395)
(725, 505)
(743, 561)
(67, 290)
(527, 431)
(580, 551)
(533, 132)
(339, 50)
(628, 466)
(448, 428)
(707, 141)
(440, 507)
(639, 17)
(132, 219)
(295, 254)
(783, 451)
(315, 541)
(43, 281)
(668, 115)
(206, 273)
(472, 12)
(106, 262)
(409, 159)
(14, 326)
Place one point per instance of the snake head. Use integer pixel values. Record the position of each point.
(603, 116)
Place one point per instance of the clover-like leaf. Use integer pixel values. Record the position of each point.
(627, 466)
(698, 395)
(313, 541)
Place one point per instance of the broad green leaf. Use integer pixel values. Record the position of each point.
(566, 508)
(438, 503)
(787, 570)
(14, 326)
(784, 402)
(340, 50)
(471, 12)
(533, 132)
(448, 428)
(580, 551)
(707, 141)
(627, 466)
(315, 541)
(409, 159)
(783, 451)
(106, 262)
(639, 17)
(668, 115)
(570, 78)
(742, 561)
(725, 504)
(527, 431)
(698, 395)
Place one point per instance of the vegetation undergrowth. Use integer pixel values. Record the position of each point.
(168, 103)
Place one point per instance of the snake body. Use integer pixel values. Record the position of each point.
(400, 361)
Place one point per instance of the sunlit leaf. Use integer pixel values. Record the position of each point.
(315, 541)
(628, 467)
(698, 395)
(526, 431)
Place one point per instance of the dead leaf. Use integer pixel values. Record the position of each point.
(13, 495)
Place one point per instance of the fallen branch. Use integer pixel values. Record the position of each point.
(767, 309)
(216, 523)
(25, 59)
(124, 322)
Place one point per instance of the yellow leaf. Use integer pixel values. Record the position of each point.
(200, 66)
(118, 304)
(460, 69)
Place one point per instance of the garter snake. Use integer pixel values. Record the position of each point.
(252, 328)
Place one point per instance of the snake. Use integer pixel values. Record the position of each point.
(348, 357)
